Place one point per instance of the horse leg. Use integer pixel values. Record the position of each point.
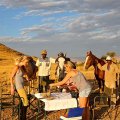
(99, 84)
(103, 83)
(61, 75)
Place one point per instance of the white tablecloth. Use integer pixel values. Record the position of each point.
(61, 101)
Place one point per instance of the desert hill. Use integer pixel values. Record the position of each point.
(7, 56)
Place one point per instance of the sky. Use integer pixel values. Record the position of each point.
(70, 26)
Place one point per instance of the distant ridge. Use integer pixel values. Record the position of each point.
(5, 49)
(7, 56)
(77, 59)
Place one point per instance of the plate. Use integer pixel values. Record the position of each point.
(50, 98)
(38, 95)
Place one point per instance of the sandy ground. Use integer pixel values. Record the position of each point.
(99, 112)
(7, 57)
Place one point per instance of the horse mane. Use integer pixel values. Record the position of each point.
(102, 62)
(31, 68)
(89, 53)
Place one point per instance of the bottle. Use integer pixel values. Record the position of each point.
(64, 90)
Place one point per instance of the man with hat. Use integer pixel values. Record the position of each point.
(43, 65)
(111, 77)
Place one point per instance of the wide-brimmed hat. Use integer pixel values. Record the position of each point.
(108, 58)
(43, 52)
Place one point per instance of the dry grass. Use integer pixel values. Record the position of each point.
(7, 56)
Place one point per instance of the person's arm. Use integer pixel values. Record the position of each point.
(117, 70)
(117, 76)
(27, 76)
(69, 75)
(49, 67)
(37, 62)
(12, 79)
(101, 67)
(56, 60)
(26, 71)
(50, 64)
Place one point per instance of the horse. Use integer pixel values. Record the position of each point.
(60, 70)
(92, 60)
(31, 70)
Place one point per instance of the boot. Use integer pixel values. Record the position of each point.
(109, 101)
(23, 113)
(20, 110)
(40, 89)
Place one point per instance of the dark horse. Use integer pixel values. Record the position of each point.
(93, 60)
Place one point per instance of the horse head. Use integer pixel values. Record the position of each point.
(31, 68)
(90, 60)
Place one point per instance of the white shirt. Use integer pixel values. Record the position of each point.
(43, 66)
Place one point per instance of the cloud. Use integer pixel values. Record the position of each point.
(38, 13)
(11, 39)
(41, 31)
(88, 22)
(33, 4)
(91, 15)
(8, 39)
(94, 5)
(77, 5)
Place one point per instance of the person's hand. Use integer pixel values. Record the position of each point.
(12, 90)
(51, 85)
(55, 72)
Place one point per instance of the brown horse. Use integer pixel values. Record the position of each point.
(31, 70)
(93, 60)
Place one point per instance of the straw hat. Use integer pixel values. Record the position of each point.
(108, 58)
(43, 52)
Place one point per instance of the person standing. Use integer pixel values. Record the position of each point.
(111, 75)
(17, 80)
(43, 65)
(78, 81)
